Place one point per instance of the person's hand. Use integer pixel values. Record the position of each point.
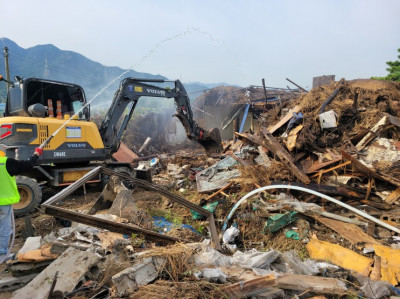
(38, 151)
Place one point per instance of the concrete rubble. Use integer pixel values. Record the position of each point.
(202, 227)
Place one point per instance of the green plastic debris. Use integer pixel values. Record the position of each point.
(209, 207)
(291, 234)
(276, 222)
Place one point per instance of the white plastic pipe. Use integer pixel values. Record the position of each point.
(363, 214)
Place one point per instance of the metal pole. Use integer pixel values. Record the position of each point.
(7, 67)
(296, 85)
(265, 91)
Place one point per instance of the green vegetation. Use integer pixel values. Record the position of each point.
(393, 69)
(137, 240)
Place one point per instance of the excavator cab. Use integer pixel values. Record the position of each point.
(45, 98)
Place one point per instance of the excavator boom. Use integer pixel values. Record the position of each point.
(129, 92)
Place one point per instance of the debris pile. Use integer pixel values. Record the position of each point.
(305, 204)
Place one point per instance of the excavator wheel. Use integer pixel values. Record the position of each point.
(30, 196)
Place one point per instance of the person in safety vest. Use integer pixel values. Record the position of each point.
(9, 195)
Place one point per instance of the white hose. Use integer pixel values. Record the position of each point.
(12, 239)
(363, 214)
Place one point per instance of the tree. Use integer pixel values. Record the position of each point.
(393, 69)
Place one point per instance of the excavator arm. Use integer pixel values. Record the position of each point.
(129, 92)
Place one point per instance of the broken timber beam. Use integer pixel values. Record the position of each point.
(274, 146)
(219, 191)
(395, 195)
(285, 119)
(328, 100)
(369, 172)
(380, 126)
(352, 233)
(297, 282)
(244, 289)
(393, 119)
(314, 284)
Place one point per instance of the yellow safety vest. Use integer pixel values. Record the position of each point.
(8, 186)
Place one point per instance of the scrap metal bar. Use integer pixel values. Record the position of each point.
(152, 187)
(246, 111)
(49, 208)
(71, 188)
(107, 224)
(296, 85)
(176, 198)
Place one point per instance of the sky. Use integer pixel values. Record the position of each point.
(213, 41)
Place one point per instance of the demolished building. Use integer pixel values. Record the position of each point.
(305, 203)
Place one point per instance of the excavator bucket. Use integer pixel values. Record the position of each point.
(211, 141)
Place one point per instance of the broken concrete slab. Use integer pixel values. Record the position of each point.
(141, 273)
(23, 269)
(10, 283)
(71, 267)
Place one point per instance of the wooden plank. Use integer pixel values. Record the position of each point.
(393, 120)
(380, 126)
(317, 166)
(376, 271)
(378, 205)
(285, 119)
(332, 168)
(244, 289)
(394, 196)
(350, 232)
(292, 137)
(274, 146)
(219, 191)
(315, 284)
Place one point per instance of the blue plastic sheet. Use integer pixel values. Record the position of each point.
(163, 225)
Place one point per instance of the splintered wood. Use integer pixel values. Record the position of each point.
(353, 233)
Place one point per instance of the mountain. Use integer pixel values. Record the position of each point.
(50, 62)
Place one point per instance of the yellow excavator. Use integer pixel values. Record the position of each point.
(56, 115)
